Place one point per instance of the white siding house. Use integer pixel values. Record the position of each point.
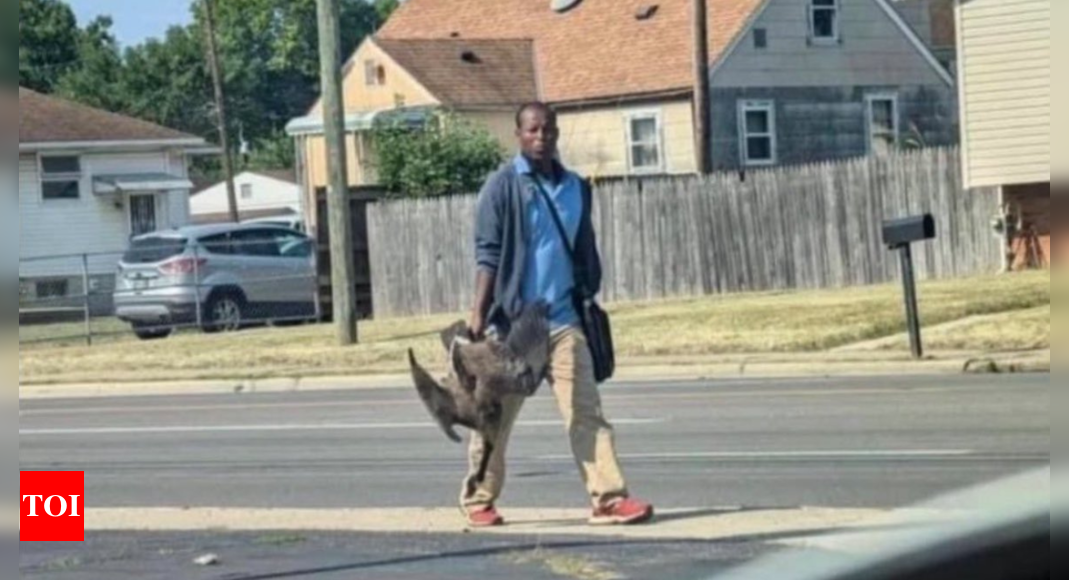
(259, 194)
(813, 80)
(1004, 47)
(1004, 64)
(88, 181)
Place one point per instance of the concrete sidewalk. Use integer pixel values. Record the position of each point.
(837, 364)
(678, 524)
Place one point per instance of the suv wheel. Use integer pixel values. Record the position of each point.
(150, 332)
(224, 313)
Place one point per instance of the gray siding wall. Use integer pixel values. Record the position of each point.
(825, 123)
(872, 50)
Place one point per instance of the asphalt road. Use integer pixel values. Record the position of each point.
(868, 442)
(267, 556)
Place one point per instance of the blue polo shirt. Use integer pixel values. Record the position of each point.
(548, 270)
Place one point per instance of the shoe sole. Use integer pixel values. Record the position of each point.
(496, 523)
(620, 521)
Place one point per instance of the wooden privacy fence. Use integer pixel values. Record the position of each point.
(815, 226)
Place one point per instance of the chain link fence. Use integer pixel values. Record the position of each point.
(166, 285)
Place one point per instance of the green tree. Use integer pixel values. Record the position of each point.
(384, 8)
(274, 152)
(447, 156)
(166, 81)
(48, 43)
(270, 56)
(97, 77)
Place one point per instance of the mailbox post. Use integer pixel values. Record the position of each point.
(900, 234)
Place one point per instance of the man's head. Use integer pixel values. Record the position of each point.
(537, 132)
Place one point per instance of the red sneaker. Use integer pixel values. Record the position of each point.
(485, 517)
(622, 512)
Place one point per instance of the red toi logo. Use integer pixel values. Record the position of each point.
(53, 506)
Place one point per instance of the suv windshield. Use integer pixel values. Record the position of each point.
(153, 249)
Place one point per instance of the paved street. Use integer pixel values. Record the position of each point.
(754, 445)
(873, 442)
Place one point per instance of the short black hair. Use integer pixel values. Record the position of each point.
(533, 106)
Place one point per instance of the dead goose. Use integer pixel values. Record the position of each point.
(482, 374)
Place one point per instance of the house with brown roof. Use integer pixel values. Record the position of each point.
(793, 81)
(261, 195)
(406, 80)
(88, 181)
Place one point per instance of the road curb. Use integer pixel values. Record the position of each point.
(671, 524)
(756, 367)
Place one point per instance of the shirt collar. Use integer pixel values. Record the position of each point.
(523, 167)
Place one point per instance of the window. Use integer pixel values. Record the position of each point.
(292, 245)
(51, 289)
(61, 178)
(824, 21)
(760, 38)
(374, 74)
(757, 132)
(645, 149)
(258, 243)
(246, 191)
(218, 244)
(152, 249)
(883, 123)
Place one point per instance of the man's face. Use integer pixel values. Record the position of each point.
(538, 134)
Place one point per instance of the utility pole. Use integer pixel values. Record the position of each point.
(220, 108)
(343, 302)
(702, 115)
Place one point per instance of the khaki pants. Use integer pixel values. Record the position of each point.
(572, 380)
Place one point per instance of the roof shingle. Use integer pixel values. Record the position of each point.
(463, 72)
(47, 119)
(599, 49)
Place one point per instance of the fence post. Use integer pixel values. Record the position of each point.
(196, 286)
(85, 300)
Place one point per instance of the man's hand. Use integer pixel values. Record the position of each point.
(477, 326)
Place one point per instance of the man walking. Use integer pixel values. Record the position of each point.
(522, 258)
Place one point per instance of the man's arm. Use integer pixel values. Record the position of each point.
(488, 232)
(587, 243)
(484, 297)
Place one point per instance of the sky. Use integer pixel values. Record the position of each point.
(135, 20)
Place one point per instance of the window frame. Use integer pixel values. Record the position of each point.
(371, 69)
(870, 126)
(374, 73)
(763, 105)
(629, 125)
(44, 178)
(836, 9)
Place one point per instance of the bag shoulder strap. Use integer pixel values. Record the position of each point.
(580, 279)
(556, 218)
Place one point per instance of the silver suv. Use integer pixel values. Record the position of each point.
(219, 276)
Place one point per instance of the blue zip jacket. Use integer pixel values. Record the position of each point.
(501, 239)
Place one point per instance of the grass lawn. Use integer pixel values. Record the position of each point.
(1009, 331)
(748, 323)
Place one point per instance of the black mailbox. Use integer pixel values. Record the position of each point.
(899, 235)
(904, 231)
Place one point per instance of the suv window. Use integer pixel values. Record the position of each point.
(218, 244)
(259, 243)
(294, 245)
(153, 249)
